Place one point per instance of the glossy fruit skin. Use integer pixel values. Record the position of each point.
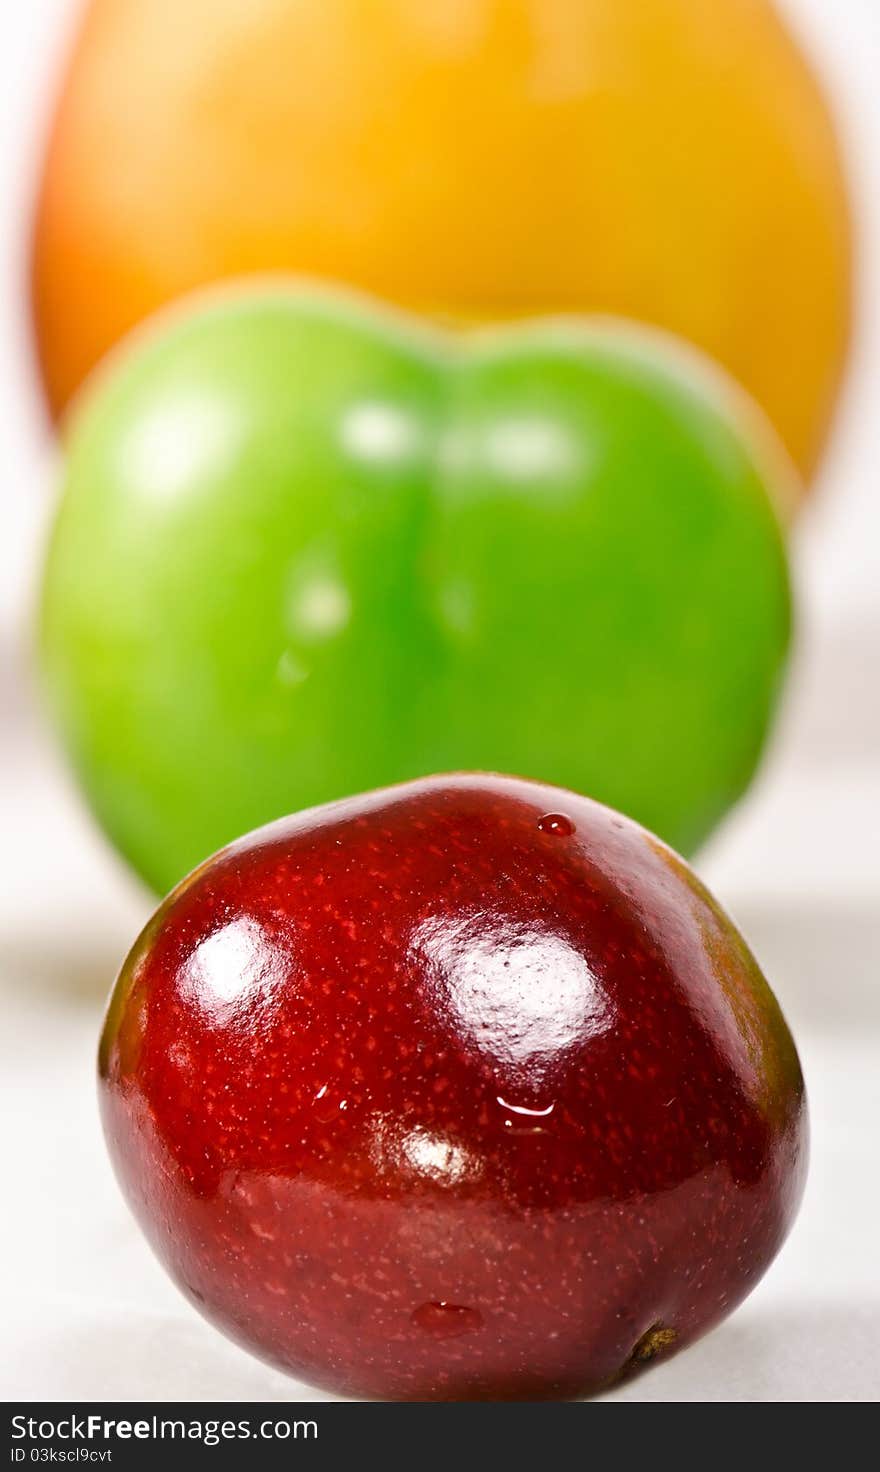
(461, 1090)
(305, 550)
(665, 160)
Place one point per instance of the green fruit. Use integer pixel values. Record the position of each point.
(307, 548)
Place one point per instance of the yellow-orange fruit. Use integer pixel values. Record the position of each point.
(669, 160)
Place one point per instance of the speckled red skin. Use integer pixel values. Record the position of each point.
(420, 1096)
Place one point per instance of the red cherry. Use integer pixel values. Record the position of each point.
(417, 1100)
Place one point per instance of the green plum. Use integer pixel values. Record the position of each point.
(307, 547)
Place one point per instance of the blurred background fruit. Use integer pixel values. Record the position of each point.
(306, 548)
(668, 160)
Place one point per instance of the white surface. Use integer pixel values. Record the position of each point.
(87, 1313)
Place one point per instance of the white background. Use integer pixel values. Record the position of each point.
(86, 1312)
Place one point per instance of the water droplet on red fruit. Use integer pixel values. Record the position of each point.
(557, 824)
(525, 1120)
(327, 1106)
(526, 1109)
(445, 1320)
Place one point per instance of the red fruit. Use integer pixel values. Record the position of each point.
(464, 1089)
